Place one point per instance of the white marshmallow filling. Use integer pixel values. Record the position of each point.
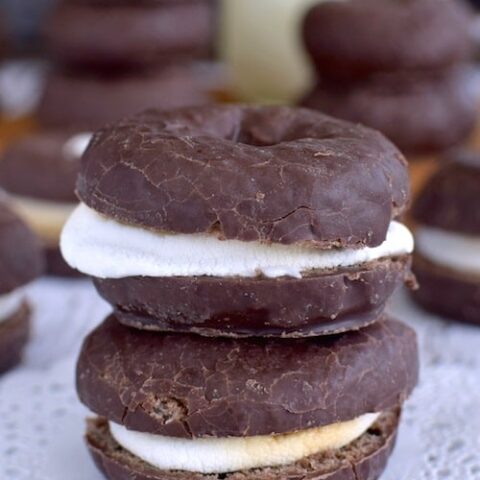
(222, 455)
(456, 251)
(10, 304)
(104, 248)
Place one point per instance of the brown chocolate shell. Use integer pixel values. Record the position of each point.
(191, 386)
(450, 200)
(354, 39)
(129, 35)
(271, 174)
(321, 303)
(455, 295)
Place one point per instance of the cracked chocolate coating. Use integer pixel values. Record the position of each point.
(363, 459)
(21, 259)
(192, 386)
(14, 335)
(419, 113)
(443, 291)
(360, 37)
(94, 100)
(273, 174)
(319, 304)
(450, 199)
(37, 166)
(130, 34)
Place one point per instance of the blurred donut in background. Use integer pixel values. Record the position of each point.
(447, 258)
(399, 67)
(39, 172)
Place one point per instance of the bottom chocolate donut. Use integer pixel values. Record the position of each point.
(363, 459)
(176, 405)
(14, 334)
(443, 291)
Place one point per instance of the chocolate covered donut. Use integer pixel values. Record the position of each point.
(233, 164)
(421, 113)
(397, 66)
(258, 380)
(188, 391)
(20, 263)
(361, 37)
(130, 34)
(447, 261)
(241, 221)
(91, 100)
(39, 172)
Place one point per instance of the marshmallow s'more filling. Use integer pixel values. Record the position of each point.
(104, 248)
(10, 303)
(220, 455)
(448, 249)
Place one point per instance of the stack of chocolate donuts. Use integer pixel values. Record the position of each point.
(133, 55)
(248, 253)
(397, 66)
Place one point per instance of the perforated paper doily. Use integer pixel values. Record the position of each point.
(42, 422)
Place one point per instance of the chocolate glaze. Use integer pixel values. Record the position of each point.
(450, 200)
(37, 166)
(363, 459)
(274, 174)
(357, 38)
(443, 291)
(191, 386)
(129, 35)
(419, 113)
(21, 259)
(94, 100)
(14, 334)
(319, 304)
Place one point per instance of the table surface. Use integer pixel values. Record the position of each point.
(42, 422)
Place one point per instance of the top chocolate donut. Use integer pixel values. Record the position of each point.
(359, 37)
(271, 174)
(21, 260)
(450, 200)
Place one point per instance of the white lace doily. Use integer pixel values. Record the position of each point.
(42, 422)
